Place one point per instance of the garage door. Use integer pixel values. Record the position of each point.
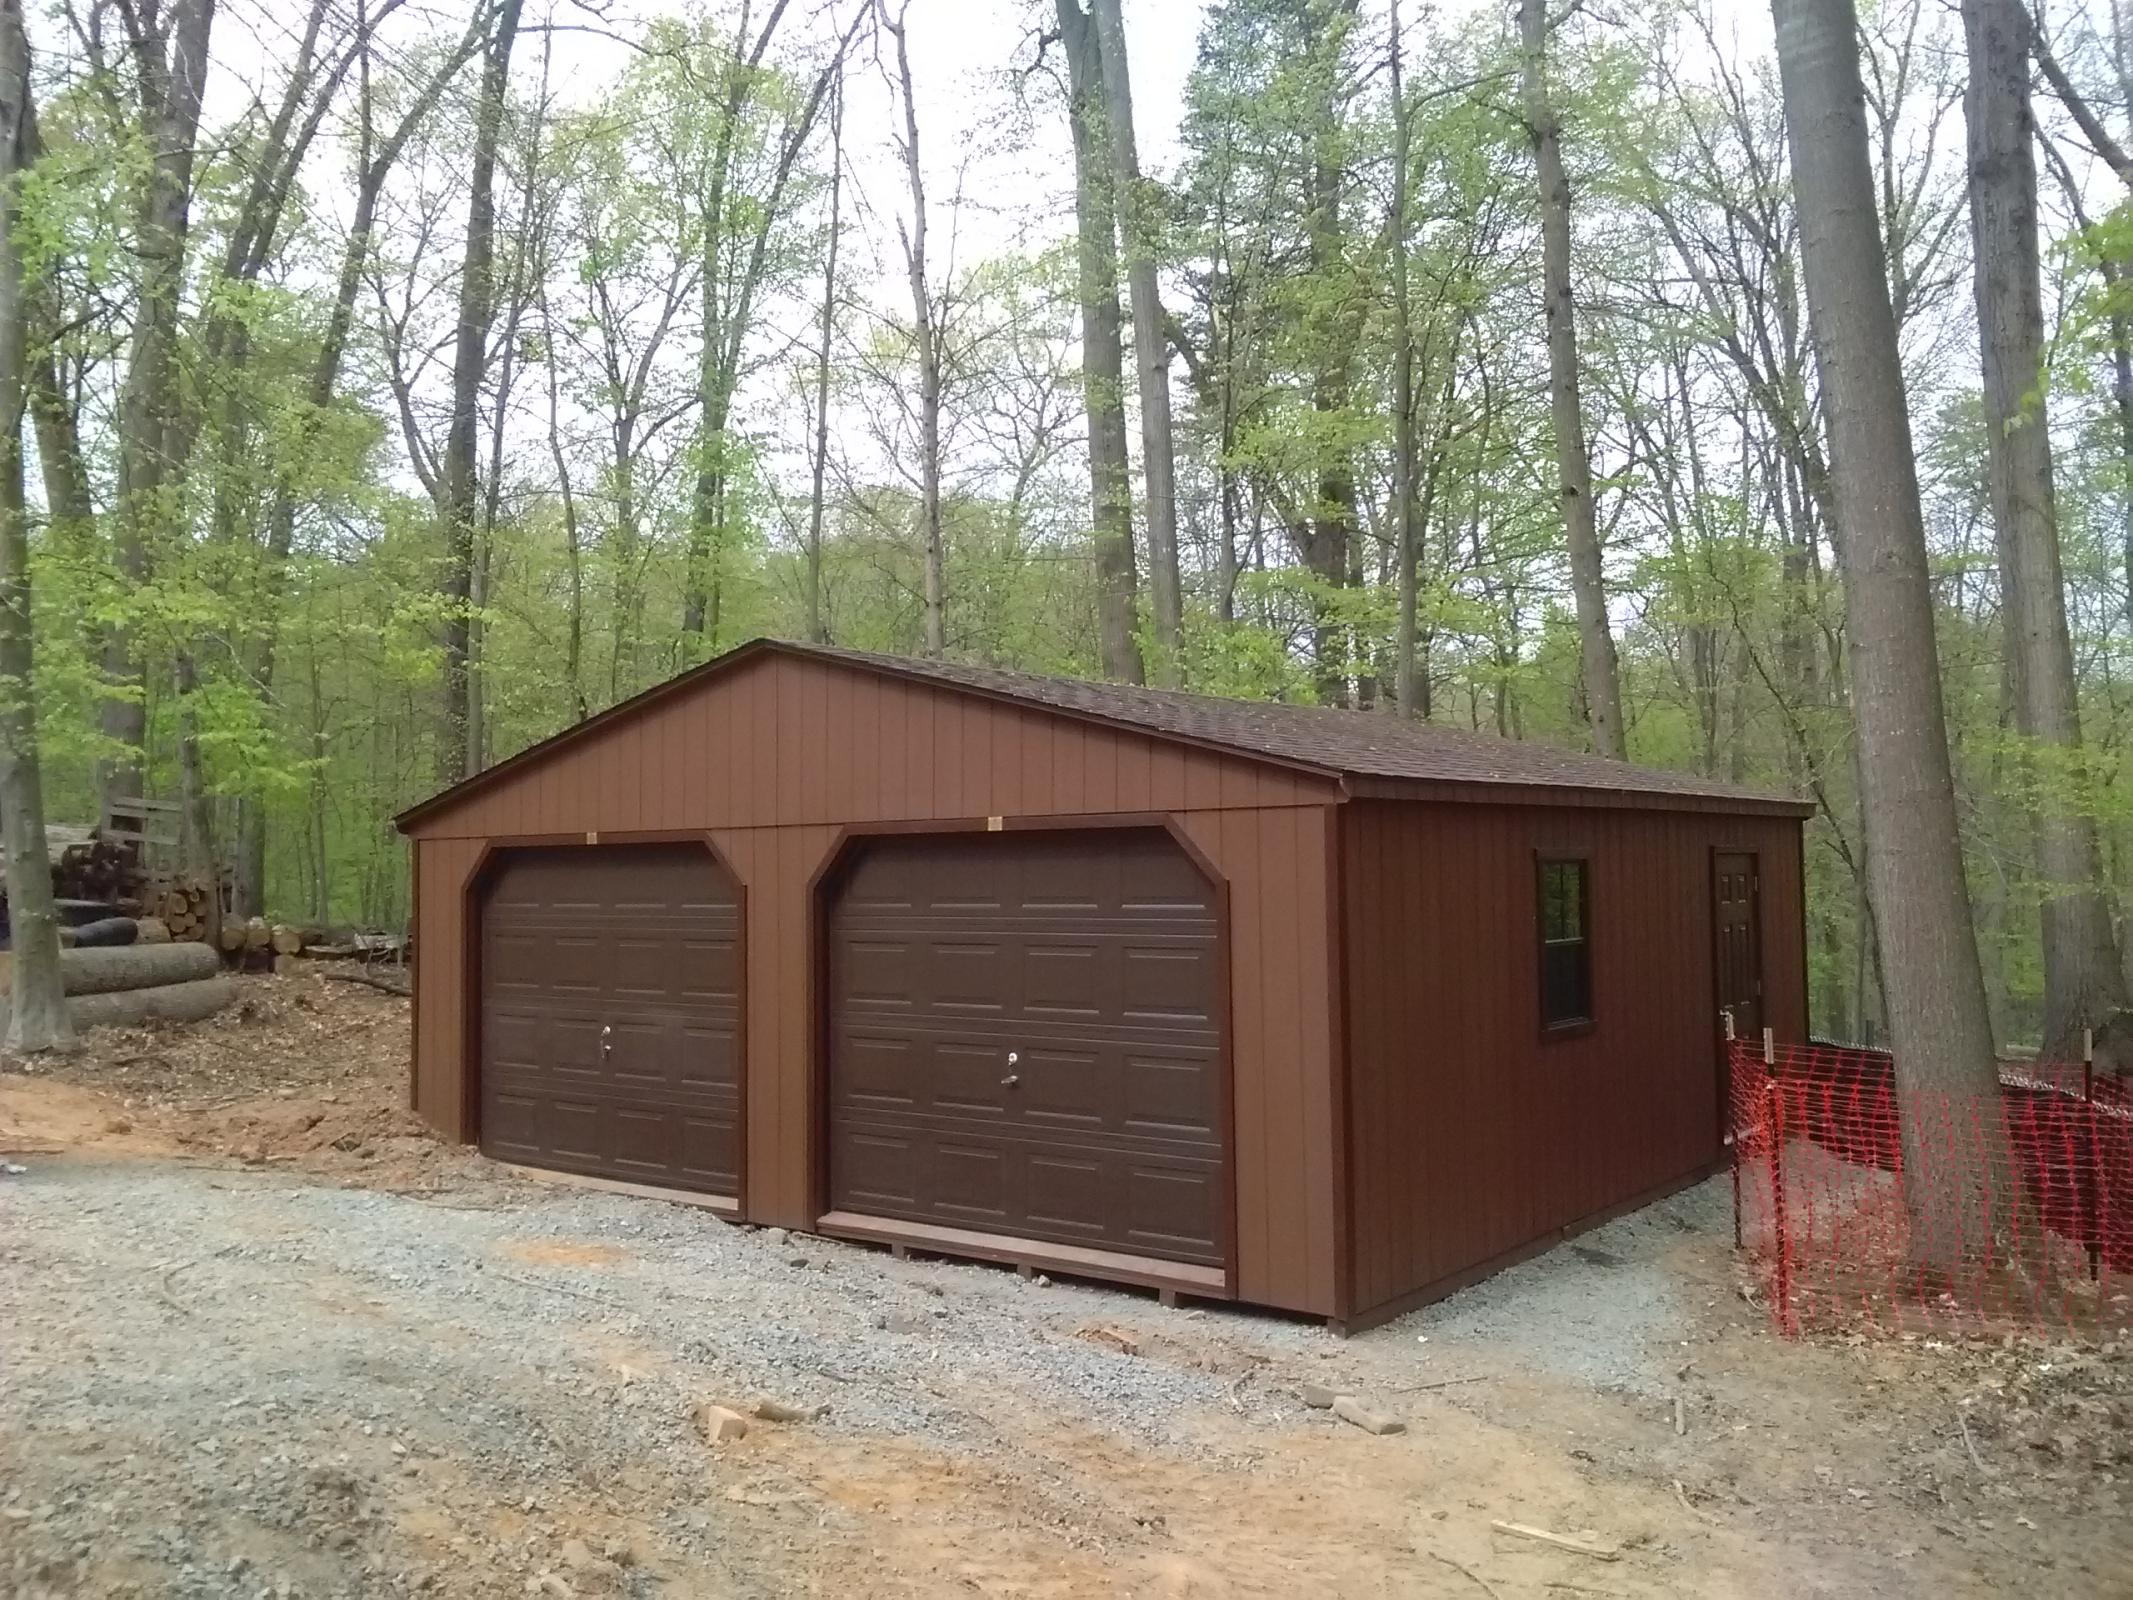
(1025, 1040)
(610, 1015)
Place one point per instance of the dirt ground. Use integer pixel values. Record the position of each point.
(264, 1337)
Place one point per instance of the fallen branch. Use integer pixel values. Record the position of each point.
(370, 980)
(1969, 1443)
(1561, 1541)
(1441, 1383)
(1478, 1580)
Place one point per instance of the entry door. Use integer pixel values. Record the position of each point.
(610, 1015)
(1737, 915)
(1025, 1039)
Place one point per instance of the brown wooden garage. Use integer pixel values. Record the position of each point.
(1309, 1008)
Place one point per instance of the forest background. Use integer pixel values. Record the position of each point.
(406, 381)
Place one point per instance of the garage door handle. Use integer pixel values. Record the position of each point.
(1010, 1080)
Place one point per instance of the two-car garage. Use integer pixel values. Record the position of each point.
(1229, 998)
(1023, 1030)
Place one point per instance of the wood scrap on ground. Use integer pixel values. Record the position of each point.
(1561, 1541)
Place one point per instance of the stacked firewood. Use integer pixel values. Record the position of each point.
(97, 869)
(187, 907)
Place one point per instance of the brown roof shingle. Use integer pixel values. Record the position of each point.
(1344, 744)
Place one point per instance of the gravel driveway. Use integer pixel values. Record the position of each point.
(242, 1378)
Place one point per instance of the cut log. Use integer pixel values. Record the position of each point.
(107, 933)
(134, 1008)
(138, 966)
(150, 930)
(285, 940)
(169, 1002)
(256, 933)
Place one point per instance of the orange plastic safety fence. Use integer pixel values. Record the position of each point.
(1861, 1204)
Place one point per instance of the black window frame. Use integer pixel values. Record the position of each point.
(1556, 1022)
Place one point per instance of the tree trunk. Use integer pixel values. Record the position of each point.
(1939, 1027)
(170, 64)
(1103, 376)
(457, 487)
(927, 335)
(1596, 643)
(137, 966)
(1403, 393)
(727, 322)
(38, 1018)
(815, 629)
(1138, 213)
(373, 169)
(2083, 983)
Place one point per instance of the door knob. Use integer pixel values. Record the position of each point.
(607, 1042)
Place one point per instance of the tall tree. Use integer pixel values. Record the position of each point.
(926, 338)
(1600, 673)
(816, 631)
(375, 160)
(459, 474)
(1403, 382)
(1103, 372)
(1939, 1027)
(2083, 981)
(169, 62)
(37, 1016)
(1138, 209)
(736, 229)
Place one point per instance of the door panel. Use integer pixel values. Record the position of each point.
(1737, 917)
(1025, 1038)
(610, 1015)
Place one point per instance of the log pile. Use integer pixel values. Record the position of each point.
(97, 868)
(187, 907)
(129, 985)
(255, 944)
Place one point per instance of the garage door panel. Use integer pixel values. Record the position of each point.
(968, 1182)
(1065, 1088)
(1170, 1096)
(1175, 1211)
(710, 1058)
(1172, 984)
(710, 1152)
(1093, 959)
(960, 1078)
(1064, 979)
(643, 1138)
(1068, 1196)
(876, 1069)
(876, 1170)
(610, 1016)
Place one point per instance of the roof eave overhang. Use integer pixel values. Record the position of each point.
(1466, 791)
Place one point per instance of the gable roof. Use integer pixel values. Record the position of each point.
(1323, 740)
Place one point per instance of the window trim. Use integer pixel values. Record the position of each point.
(1568, 1027)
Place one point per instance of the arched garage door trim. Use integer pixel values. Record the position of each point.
(824, 887)
(495, 853)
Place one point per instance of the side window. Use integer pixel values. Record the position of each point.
(1565, 943)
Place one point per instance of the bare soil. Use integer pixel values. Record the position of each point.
(265, 1337)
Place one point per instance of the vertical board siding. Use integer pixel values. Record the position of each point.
(1469, 1134)
(775, 760)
